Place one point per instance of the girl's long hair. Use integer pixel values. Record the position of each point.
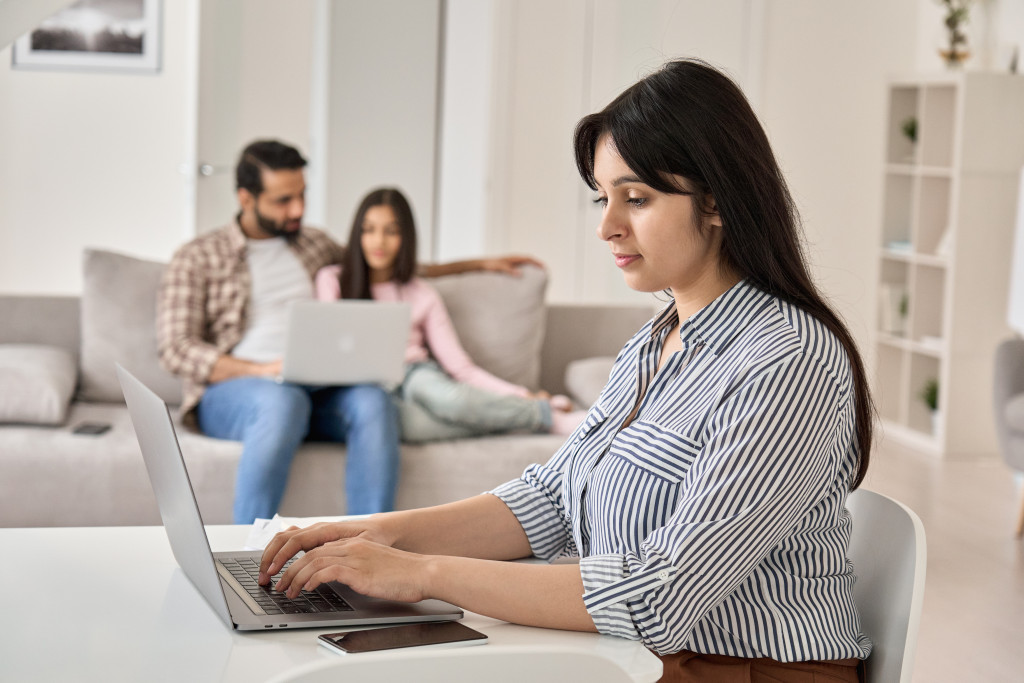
(355, 271)
(688, 119)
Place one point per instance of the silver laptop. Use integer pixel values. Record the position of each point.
(351, 341)
(226, 580)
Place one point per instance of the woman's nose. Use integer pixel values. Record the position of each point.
(611, 225)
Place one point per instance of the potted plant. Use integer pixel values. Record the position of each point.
(908, 127)
(957, 14)
(930, 396)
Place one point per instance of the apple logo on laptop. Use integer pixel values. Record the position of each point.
(346, 343)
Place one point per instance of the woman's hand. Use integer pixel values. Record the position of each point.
(366, 567)
(284, 545)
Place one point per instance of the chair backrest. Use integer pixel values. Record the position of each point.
(491, 663)
(888, 551)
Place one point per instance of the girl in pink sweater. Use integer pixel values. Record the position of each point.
(444, 394)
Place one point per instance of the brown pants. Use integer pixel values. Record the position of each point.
(690, 667)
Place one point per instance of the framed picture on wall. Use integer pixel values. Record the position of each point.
(95, 35)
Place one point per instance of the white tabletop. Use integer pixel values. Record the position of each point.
(111, 604)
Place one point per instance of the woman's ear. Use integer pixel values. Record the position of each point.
(711, 215)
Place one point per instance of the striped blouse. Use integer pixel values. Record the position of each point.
(716, 521)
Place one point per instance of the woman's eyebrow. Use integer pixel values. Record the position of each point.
(623, 179)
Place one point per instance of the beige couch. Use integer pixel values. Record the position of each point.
(56, 371)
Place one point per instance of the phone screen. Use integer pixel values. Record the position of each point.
(433, 633)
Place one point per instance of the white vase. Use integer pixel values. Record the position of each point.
(936, 416)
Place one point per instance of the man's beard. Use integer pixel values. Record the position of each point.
(274, 228)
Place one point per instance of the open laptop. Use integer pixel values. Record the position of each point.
(351, 341)
(225, 579)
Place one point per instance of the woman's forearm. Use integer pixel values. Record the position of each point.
(480, 527)
(550, 596)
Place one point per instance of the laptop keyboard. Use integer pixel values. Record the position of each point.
(321, 599)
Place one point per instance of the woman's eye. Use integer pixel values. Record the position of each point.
(637, 201)
(601, 201)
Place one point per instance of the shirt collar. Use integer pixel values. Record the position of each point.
(236, 237)
(720, 321)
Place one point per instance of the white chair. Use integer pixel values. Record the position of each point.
(490, 663)
(888, 553)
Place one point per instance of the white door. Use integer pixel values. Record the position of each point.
(254, 76)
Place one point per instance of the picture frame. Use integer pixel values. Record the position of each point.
(95, 35)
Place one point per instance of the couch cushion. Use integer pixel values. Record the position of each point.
(37, 382)
(119, 326)
(585, 378)
(500, 320)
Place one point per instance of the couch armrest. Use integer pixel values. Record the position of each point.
(576, 331)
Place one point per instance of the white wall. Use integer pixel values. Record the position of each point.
(382, 107)
(825, 116)
(90, 159)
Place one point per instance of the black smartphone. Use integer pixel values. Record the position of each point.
(428, 634)
(91, 428)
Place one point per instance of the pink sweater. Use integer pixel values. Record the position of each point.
(432, 333)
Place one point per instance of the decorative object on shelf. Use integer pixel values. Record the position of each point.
(930, 396)
(908, 127)
(893, 305)
(957, 15)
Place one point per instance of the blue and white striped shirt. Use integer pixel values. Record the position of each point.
(715, 521)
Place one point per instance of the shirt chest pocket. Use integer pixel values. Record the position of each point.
(655, 450)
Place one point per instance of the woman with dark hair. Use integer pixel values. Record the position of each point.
(705, 491)
(444, 395)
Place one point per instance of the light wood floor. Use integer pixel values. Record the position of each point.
(972, 626)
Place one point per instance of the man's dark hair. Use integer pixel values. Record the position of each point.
(262, 154)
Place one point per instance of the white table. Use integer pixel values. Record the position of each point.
(129, 614)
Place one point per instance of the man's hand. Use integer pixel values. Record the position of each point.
(510, 265)
(229, 367)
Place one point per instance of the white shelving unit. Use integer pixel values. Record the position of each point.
(946, 242)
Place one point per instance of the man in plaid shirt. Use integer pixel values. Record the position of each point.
(221, 324)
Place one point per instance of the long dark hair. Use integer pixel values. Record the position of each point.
(688, 119)
(355, 271)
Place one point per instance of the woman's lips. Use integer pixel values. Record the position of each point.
(623, 260)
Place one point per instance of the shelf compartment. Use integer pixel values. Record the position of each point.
(932, 230)
(898, 207)
(927, 294)
(923, 369)
(894, 298)
(888, 387)
(936, 132)
(903, 104)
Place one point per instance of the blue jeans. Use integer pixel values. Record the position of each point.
(271, 420)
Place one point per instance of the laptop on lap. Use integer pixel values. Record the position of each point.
(352, 341)
(227, 580)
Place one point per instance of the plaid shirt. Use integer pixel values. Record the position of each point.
(203, 302)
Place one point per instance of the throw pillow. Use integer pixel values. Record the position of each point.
(500, 320)
(119, 326)
(37, 382)
(585, 378)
